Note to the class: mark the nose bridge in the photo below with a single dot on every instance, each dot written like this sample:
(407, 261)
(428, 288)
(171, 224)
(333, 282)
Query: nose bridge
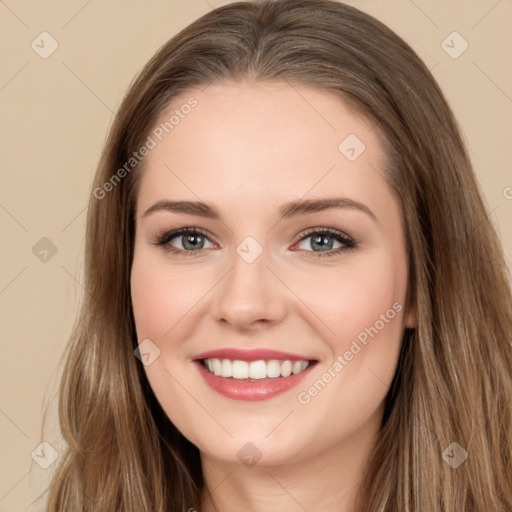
(250, 293)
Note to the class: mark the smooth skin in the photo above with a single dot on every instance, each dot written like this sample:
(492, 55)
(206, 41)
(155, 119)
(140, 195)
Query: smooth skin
(247, 149)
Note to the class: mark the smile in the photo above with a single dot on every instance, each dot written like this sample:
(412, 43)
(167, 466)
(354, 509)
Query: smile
(254, 370)
(252, 373)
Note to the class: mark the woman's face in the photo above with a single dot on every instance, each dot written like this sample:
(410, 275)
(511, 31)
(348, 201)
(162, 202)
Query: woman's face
(297, 246)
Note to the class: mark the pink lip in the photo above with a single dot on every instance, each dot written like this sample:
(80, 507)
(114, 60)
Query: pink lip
(262, 389)
(251, 355)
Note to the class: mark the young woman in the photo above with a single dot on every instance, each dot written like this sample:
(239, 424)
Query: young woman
(296, 299)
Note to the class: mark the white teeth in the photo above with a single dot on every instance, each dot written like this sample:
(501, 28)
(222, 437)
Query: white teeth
(273, 369)
(286, 369)
(227, 369)
(257, 369)
(299, 366)
(217, 366)
(238, 369)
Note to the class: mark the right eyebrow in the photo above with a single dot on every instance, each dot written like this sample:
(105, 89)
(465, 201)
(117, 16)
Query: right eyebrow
(190, 207)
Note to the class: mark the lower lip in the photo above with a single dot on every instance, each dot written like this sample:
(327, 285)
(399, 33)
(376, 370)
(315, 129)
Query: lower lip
(262, 389)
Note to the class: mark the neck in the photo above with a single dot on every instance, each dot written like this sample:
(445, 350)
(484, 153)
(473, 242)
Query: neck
(328, 481)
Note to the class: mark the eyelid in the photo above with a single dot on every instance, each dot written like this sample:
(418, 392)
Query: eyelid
(323, 229)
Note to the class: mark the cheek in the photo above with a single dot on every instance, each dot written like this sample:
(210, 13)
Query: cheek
(363, 308)
(151, 301)
(160, 297)
(353, 299)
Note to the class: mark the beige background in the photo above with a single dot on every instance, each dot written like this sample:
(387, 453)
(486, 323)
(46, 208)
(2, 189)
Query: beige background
(56, 113)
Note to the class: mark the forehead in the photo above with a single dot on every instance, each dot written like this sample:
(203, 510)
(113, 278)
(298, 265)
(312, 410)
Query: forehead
(261, 142)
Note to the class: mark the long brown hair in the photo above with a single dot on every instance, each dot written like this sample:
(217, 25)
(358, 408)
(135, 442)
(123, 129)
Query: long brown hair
(454, 377)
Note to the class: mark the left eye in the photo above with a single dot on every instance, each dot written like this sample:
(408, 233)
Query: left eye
(324, 241)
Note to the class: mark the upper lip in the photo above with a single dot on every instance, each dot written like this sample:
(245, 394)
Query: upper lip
(254, 354)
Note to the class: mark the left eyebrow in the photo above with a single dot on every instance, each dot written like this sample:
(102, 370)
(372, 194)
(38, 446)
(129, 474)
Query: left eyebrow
(302, 207)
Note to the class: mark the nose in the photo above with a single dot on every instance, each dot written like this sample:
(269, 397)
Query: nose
(250, 296)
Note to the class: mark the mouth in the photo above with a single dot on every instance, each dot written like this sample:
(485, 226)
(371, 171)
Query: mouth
(254, 370)
(260, 379)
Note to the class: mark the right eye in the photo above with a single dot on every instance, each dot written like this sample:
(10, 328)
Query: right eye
(184, 241)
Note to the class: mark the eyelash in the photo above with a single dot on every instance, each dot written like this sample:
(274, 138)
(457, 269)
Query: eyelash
(348, 242)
